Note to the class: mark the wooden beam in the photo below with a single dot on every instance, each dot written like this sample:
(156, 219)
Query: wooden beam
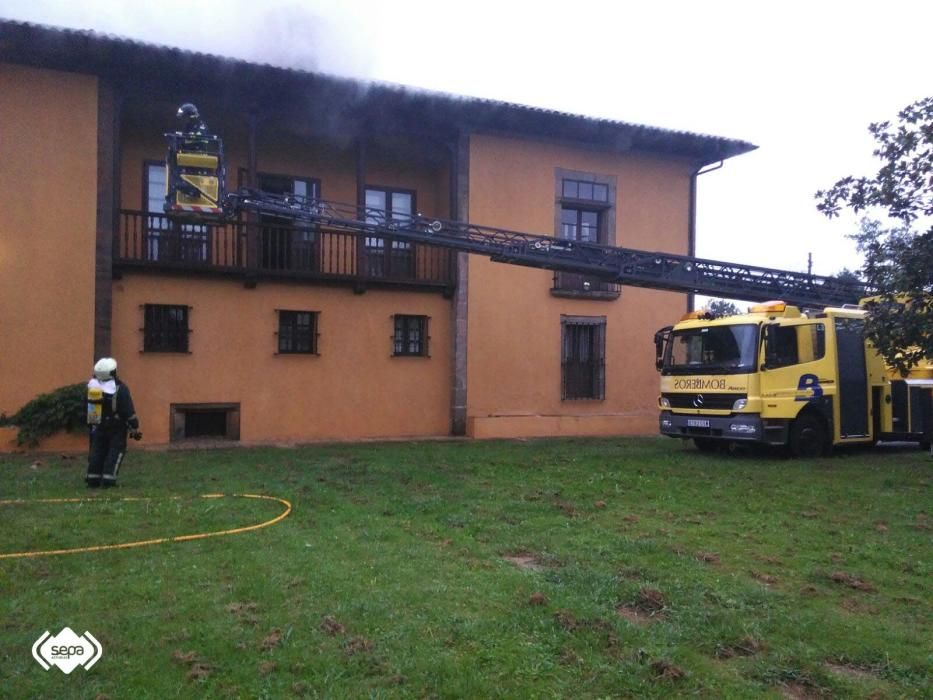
(108, 212)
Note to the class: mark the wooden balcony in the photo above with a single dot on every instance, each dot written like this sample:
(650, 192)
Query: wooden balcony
(279, 249)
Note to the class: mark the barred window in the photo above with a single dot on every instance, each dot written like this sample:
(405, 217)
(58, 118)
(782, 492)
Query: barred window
(297, 332)
(583, 357)
(165, 328)
(411, 335)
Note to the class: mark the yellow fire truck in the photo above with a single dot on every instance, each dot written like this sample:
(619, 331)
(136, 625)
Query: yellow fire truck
(780, 376)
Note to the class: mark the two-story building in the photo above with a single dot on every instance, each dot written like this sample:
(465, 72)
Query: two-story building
(267, 329)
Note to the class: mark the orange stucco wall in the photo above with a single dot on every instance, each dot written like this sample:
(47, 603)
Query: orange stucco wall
(48, 200)
(514, 342)
(354, 388)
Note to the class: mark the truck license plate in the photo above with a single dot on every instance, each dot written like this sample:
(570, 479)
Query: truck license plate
(697, 422)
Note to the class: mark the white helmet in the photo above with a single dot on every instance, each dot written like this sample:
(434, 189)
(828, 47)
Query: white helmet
(105, 369)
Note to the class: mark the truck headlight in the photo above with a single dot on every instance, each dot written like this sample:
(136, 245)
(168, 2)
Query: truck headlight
(665, 403)
(739, 404)
(742, 428)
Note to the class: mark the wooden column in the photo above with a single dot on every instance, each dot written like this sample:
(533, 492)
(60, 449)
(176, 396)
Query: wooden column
(460, 210)
(252, 220)
(108, 213)
(361, 204)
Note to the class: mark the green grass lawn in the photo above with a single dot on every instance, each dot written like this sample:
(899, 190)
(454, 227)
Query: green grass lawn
(551, 568)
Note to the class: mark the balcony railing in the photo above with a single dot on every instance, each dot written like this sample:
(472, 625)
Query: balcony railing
(571, 284)
(276, 249)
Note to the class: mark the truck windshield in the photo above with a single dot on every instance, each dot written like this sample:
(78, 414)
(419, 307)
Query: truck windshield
(713, 350)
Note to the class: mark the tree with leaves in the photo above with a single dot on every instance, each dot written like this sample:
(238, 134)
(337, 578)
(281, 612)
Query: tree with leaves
(847, 276)
(722, 307)
(898, 260)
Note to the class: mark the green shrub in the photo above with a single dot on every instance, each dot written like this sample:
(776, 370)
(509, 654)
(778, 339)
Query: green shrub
(62, 409)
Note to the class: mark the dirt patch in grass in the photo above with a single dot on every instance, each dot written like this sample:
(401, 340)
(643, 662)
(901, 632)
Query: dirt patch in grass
(271, 640)
(600, 504)
(708, 557)
(244, 612)
(357, 645)
(849, 671)
(631, 519)
(604, 627)
(767, 579)
(184, 657)
(567, 620)
(650, 600)
(647, 607)
(666, 670)
(852, 581)
(566, 507)
(198, 670)
(266, 667)
(854, 605)
(747, 646)
(524, 560)
(330, 625)
(537, 598)
(881, 526)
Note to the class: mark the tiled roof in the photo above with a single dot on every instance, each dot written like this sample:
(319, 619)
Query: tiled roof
(94, 52)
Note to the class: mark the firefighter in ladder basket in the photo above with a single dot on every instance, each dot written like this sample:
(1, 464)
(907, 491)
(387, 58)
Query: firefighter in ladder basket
(110, 414)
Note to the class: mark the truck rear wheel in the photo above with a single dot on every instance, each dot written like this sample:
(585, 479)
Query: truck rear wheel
(808, 437)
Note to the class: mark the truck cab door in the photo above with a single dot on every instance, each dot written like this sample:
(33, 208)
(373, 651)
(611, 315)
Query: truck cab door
(853, 378)
(796, 370)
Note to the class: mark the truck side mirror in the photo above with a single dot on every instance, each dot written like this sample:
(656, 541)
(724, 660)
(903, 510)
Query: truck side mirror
(660, 340)
(769, 339)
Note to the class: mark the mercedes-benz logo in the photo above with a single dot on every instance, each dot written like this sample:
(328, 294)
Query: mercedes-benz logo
(698, 401)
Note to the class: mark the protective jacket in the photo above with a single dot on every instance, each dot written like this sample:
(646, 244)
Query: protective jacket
(108, 430)
(117, 411)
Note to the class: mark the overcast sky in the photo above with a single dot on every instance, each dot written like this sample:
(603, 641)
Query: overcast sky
(802, 80)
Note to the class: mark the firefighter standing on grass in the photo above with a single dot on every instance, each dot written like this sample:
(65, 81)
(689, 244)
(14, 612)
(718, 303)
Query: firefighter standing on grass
(110, 414)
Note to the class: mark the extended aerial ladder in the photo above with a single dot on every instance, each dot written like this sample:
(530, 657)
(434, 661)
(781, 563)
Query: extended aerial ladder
(195, 180)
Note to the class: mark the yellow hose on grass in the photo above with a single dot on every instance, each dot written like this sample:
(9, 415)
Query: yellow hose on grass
(142, 543)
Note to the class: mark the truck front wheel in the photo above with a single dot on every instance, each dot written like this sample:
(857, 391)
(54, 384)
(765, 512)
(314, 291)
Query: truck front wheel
(808, 437)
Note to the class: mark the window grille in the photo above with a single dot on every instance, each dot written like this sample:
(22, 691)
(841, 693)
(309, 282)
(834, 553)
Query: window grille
(297, 332)
(165, 328)
(583, 358)
(411, 335)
